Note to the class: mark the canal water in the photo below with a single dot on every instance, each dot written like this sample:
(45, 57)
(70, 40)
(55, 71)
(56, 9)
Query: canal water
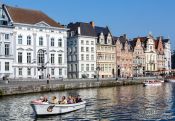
(103, 104)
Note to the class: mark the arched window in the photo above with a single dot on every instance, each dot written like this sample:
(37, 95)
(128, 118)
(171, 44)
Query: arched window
(41, 41)
(52, 43)
(28, 40)
(19, 39)
(59, 42)
(40, 56)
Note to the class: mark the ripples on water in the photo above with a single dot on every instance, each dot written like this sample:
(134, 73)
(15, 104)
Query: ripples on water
(104, 104)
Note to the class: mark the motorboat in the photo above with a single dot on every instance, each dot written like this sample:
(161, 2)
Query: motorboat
(170, 80)
(41, 108)
(152, 83)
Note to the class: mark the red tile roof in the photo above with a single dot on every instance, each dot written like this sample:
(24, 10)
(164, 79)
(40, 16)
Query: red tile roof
(27, 16)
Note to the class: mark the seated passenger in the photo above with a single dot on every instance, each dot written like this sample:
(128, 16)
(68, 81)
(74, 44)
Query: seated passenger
(38, 101)
(63, 101)
(45, 99)
(78, 99)
(69, 100)
(74, 99)
(54, 100)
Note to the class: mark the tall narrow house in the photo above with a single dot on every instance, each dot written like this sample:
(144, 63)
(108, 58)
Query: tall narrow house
(167, 52)
(148, 43)
(124, 57)
(138, 57)
(81, 46)
(160, 54)
(106, 56)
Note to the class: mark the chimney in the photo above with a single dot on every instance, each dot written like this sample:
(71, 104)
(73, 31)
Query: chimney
(92, 24)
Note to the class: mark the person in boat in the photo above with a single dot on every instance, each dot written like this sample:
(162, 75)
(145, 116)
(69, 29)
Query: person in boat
(69, 100)
(54, 100)
(78, 99)
(45, 99)
(74, 99)
(38, 101)
(63, 101)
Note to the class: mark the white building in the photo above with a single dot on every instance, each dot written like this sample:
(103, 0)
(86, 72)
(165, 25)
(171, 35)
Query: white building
(167, 52)
(39, 44)
(81, 50)
(150, 55)
(6, 55)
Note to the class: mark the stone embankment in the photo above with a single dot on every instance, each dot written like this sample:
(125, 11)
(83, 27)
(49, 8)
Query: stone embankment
(23, 87)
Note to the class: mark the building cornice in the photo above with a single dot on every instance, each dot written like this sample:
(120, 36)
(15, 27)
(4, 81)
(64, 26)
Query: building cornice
(36, 26)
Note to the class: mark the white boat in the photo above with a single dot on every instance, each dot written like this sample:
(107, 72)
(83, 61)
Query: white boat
(152, 83)
(52, 109)
(171, 80)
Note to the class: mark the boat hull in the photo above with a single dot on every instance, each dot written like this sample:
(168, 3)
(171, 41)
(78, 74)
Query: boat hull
(171, 80)
(157, 84)
(152, 83)
(53, 109)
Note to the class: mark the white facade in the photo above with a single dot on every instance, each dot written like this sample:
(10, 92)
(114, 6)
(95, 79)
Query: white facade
(81, 57)
(167, 52)
(33, 50)
(6, 48)
(36, 50)
(150, 55)
(6, 55)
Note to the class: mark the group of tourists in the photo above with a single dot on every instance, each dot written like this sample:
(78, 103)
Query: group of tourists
(64, 100)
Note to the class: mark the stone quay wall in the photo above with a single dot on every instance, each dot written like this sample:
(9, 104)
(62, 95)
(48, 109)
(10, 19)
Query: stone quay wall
(20, 87)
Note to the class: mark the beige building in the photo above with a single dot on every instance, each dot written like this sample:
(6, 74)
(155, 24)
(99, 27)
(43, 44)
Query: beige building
(106, 57)
(124, 58)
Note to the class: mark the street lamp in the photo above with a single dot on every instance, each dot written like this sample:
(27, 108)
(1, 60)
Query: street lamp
(98, 70)
(98, 65)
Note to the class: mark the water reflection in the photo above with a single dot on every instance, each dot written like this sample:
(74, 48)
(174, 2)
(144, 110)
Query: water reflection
(105, 104)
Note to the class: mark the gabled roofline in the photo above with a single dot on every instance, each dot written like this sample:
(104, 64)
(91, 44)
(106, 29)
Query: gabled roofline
(43, 23)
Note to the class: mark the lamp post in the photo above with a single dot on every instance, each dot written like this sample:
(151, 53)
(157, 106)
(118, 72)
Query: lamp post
(98, 69)
(98, 65)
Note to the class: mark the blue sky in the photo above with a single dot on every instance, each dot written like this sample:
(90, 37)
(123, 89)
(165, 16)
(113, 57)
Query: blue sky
(132, 17)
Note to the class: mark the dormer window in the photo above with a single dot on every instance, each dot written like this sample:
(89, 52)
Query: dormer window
(72, 33)
(1, 13)
(109, 41)
(101, 38)
(102, 41)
